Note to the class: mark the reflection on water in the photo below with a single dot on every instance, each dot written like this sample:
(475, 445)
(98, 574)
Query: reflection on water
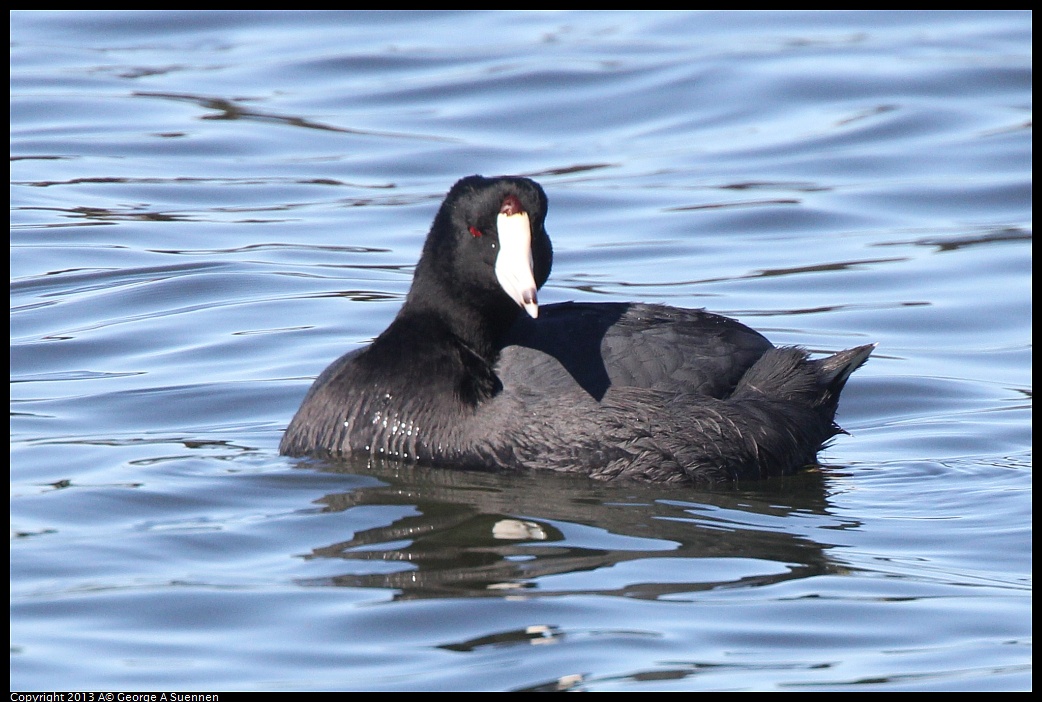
(480, 535)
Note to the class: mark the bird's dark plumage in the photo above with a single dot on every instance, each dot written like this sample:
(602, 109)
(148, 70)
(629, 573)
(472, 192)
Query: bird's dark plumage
(464, 378)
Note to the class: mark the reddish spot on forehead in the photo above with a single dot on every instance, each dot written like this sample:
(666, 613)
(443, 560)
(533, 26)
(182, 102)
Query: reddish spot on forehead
(511, 206)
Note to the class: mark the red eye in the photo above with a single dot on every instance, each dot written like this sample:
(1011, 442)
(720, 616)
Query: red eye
(475, 232)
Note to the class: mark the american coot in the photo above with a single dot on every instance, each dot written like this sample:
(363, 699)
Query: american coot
(472, 373)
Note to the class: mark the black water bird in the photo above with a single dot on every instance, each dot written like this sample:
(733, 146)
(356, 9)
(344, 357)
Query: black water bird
(474, 374)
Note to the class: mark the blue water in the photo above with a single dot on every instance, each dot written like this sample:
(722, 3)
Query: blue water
(208, 208)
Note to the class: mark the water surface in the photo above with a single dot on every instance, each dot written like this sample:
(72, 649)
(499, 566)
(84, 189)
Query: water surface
(208, 208)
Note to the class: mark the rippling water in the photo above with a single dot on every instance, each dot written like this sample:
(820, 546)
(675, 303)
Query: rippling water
(207, 208)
